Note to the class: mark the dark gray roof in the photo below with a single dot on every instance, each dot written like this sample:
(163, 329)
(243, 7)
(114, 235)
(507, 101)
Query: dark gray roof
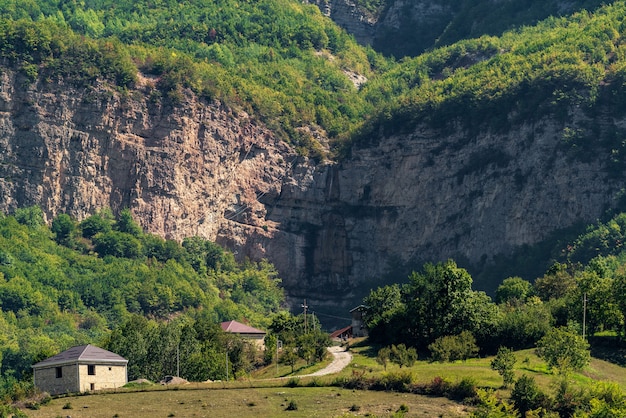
(82, 354)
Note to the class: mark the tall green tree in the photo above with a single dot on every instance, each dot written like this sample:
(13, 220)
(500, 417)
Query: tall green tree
(564, 350)
(503, 363)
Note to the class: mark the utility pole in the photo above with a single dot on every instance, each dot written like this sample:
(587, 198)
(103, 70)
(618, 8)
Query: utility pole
(279, 344)
(584, 312)
(306, 328)
(178, 360)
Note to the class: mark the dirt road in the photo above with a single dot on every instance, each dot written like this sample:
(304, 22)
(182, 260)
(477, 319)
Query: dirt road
(341, 359)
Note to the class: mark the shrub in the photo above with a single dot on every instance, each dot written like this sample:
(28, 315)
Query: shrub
(438, 387)
(464, 390)
(397, 381)
(293, 382)
(402, 356)
(526, 395)
(292, 406)
(454, 347)
(503, 363)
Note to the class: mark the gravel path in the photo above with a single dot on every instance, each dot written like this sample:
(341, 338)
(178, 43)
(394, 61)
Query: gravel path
(341, 359)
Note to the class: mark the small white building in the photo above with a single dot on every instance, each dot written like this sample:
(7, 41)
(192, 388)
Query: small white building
(80, 369)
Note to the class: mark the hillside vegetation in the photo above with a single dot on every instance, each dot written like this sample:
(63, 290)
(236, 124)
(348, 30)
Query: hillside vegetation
(446, 22)
(289, 65)
(76, 284)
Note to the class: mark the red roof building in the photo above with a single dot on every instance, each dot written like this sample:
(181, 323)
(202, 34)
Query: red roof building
(245, 331)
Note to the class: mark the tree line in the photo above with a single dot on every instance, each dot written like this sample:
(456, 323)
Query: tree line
(104, 281)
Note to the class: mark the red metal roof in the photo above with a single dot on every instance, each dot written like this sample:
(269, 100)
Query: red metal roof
(239, 328)
(83, 353)
(341, 331)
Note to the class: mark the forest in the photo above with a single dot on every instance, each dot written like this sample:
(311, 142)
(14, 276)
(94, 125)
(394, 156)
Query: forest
(292, 72)
(104, 281)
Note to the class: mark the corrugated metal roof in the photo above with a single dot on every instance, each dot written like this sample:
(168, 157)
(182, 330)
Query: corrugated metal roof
(83, 353)
(239, 328)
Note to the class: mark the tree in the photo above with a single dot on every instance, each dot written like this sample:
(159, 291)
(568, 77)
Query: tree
(564, 350)
(383, 356)
(526, 395)
(126, 223)
(454, 347)
(289, 357)
(503, 363)
(385, 309)
(31, 216)
(94, 224)
(403, 356)
(63, 227)
(556, 283)
(437, 302)
(513, 290)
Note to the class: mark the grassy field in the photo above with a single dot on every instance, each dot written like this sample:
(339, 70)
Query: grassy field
(245, 402)
(265, 395)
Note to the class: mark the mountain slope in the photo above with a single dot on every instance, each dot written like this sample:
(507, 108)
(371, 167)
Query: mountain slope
(469, 151)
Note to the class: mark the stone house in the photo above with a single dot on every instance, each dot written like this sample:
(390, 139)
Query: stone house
(249, 333)
(80, 369)
(358, 325)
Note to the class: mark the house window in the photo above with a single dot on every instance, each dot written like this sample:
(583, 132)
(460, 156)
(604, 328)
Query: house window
(91, 369)
(59, 372)
(92, 386)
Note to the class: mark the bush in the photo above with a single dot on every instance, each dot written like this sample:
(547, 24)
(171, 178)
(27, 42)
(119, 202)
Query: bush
(292, 406)
(465, 390)
(438, 387)
(526, 395)
(397, 381)
(454, 347)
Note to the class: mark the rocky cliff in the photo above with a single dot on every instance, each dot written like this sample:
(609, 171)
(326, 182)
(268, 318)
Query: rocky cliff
(331, 229)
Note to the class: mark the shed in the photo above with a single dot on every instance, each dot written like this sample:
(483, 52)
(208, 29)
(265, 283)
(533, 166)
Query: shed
(342, 334)
(80, 369)
(256, 336)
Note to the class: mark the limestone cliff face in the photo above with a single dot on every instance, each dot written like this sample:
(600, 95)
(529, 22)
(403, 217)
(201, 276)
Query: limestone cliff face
(196, 169)
(427, 196)
(203, 169)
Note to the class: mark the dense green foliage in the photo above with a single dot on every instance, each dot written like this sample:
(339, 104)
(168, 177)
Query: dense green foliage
(286, 63)
(278, 59)
(497, 82)
(438, 304)
(109, 275)
(451, 21)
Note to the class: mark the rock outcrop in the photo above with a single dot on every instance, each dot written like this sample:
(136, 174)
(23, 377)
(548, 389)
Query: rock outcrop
(332, 230)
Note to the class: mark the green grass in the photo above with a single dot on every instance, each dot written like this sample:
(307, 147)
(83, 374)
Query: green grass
(258, 402)
(265, 396)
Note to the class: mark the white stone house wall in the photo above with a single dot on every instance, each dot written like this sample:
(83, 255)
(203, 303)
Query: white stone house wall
(76, 378)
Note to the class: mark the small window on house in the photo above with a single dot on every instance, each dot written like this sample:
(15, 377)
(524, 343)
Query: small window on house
(109, 369)
(91, 369)
(59, 372)
(92, 386)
